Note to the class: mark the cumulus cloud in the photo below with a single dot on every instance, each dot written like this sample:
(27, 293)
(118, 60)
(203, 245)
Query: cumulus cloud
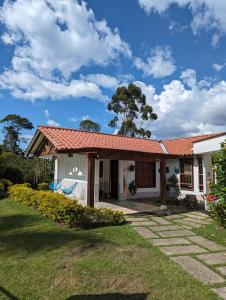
(52, 40)
(50, 121)
(159, 64)
(207, 14)
(218, 67)
(188, 106)
(102, 80)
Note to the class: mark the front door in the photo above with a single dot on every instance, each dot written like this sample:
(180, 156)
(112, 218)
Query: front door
(114, 179)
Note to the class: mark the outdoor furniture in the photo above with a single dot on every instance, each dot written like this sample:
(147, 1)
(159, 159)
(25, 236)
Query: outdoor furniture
(53, 188)
(69, 190)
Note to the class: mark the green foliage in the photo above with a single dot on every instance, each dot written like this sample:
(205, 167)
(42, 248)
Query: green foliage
(89, 125)
(217, 208)
(12, 130)
(43, 186)
(13, 174)
(63, 210)
(132, 112)
(2, 190)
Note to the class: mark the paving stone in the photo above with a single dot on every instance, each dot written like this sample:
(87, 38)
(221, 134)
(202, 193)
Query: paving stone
(213, 258)
(143, 223)
(197, 215)
(161, 221)
(220, 292)
(172, 217)
(137, 219)
(165, 227)
(210, 245)
(177, 233)
(198, 270)
(170, 241)
(202, 222)
(188, 223)
(190, 249)
(222, 270)
(145, 232)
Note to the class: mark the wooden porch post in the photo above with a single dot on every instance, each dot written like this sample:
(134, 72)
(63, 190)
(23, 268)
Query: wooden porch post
(163, 183)
(91, 179)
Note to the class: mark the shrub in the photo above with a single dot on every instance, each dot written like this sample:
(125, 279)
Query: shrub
(13, 174)
(43, 186)
(6, 184)
(2, 190)
(63, 210)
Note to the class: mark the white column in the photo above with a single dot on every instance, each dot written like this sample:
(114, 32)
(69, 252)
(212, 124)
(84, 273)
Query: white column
(97, 181)
(56, 171)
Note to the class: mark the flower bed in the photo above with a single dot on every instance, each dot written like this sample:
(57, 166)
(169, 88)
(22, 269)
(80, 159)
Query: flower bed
(63, 210)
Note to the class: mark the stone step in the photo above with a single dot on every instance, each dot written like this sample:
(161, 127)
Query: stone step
(145, 232)
(198, 270)
(190, 249)
(220, 292)
(177, 233)
(213, 258)
(169, 242)
(210, 245)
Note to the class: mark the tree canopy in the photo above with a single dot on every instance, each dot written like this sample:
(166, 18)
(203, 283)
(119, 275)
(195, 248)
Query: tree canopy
(89, 125)
(132, 113)
(12, 130)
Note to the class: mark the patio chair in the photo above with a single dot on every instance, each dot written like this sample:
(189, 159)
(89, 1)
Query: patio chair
(52, 186)
(69, 190)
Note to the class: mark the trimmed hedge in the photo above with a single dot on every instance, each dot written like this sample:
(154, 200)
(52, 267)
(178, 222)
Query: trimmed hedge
(63, 210)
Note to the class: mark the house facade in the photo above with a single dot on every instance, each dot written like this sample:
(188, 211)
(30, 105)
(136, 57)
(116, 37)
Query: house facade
(103, 166)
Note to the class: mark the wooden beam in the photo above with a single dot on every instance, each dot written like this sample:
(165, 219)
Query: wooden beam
(91, 179)
(163, 182)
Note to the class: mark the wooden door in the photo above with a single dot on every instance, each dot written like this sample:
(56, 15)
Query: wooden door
(114, 179)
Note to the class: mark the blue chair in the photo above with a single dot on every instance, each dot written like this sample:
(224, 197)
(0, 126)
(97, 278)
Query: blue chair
(53, 188)
(69, 190)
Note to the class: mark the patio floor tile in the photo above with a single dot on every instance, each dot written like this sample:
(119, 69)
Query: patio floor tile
(161, 221)
(193, 220)
(188, 223)
(143, 223)
(198, 270)
(165, 227)
(172, 217)
(188, 249)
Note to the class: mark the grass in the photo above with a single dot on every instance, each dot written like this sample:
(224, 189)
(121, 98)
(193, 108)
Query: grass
(212, 232)
(43, 260)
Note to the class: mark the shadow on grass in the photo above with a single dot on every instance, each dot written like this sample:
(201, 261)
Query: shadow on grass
(110, 296)
(18, 235)
(6, 293)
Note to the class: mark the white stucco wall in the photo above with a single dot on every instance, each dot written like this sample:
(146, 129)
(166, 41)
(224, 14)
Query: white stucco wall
(210, 145)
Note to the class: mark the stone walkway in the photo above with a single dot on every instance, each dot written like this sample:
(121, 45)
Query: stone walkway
(203, 259)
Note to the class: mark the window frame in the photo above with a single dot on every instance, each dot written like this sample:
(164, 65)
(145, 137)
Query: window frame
(183, 185)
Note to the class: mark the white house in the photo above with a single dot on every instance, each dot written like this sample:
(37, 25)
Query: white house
(102, 166)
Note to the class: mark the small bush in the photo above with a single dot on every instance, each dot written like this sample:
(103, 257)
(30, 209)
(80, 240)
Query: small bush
(44, 186)
(13, 174)
(2, 190)
(63, 210)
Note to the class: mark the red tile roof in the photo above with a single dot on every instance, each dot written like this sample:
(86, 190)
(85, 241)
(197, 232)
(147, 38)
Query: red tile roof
(183, 146)
(72, 139)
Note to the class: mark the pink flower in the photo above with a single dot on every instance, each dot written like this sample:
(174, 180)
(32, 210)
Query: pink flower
(211, 198)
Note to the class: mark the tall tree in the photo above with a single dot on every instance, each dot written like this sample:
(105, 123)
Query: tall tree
(133, 114)
(12, 130)
(89, 125)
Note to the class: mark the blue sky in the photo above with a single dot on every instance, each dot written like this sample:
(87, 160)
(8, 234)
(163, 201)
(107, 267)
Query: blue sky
(60, 61)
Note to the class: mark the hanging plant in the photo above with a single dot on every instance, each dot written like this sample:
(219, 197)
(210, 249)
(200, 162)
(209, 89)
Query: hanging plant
(131, 168)
(132, 188)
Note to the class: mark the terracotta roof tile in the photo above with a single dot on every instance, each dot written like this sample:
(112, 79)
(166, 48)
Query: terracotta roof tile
(72, 139)
(183, 146)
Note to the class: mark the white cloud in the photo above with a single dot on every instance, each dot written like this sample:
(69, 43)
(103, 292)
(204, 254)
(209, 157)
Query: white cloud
(73, 119)
(188, 107)
(102, 80)
(159, 64)
(207, 14)
(218, 67)
(86, 117)
(52, 40)
(50, 122)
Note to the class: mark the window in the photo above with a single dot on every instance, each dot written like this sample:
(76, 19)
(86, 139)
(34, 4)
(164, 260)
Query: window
(145, 174)
(101, 171)
(186, 174)
(200, 174)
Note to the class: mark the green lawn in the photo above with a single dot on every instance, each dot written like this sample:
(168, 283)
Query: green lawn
(212, 232)
(43, 260)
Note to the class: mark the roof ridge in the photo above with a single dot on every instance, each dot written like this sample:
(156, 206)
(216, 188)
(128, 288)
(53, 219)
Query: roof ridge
(195, 136)
(101, 133)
